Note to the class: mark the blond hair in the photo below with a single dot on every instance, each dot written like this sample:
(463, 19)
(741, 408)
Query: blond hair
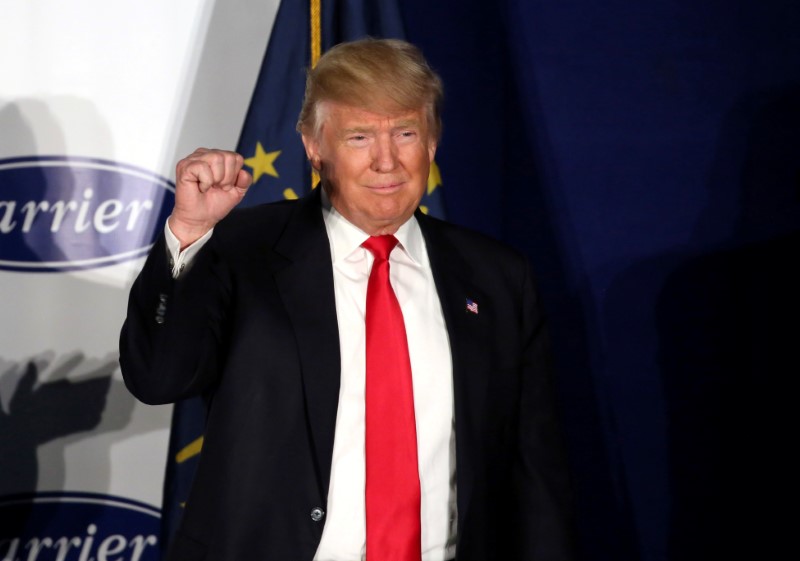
(380, 75)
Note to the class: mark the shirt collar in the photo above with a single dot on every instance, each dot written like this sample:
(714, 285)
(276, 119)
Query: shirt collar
(346, 237)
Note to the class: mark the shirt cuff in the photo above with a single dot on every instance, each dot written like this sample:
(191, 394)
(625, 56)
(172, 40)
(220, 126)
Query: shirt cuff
(180, 260)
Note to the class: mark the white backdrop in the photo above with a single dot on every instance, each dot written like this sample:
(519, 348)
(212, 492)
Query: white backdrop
(132, 82)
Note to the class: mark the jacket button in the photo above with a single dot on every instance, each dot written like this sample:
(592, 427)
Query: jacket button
(317, 514)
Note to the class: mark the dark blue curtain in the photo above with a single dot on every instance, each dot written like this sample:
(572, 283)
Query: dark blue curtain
(647, 157)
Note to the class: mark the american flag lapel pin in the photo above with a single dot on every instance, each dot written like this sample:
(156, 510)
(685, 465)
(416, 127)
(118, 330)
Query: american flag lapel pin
(472, 306)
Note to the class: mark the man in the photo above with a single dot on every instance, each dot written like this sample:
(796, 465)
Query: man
(344, 337)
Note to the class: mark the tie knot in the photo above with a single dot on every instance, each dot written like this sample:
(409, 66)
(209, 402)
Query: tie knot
(380, 246)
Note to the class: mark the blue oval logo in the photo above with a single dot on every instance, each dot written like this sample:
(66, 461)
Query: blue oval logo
(59, 213)
(77, 527)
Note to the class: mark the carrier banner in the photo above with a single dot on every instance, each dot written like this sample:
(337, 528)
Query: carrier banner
(80, 527)
(116, 215)
(98, 100)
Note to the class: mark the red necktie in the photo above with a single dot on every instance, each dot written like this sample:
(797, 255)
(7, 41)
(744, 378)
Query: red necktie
(392, 476)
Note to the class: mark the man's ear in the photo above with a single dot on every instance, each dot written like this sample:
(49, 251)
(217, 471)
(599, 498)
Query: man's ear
(312, 151)
(431, 150)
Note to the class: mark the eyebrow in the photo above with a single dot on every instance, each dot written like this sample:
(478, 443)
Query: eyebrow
(357, 130)
(404, 124)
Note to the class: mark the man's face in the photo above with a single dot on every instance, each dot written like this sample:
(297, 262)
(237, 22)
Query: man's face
(373, 166)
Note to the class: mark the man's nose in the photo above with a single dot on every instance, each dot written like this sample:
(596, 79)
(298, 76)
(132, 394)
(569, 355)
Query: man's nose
(384, 155)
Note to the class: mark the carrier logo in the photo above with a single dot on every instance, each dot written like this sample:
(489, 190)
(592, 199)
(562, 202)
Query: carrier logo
(60, 213)
(77, 527)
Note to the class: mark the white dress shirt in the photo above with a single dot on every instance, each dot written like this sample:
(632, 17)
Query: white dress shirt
(343, 538)
(344, 534)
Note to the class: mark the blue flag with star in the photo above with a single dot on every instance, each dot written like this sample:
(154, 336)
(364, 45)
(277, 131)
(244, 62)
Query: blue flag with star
(274, 155)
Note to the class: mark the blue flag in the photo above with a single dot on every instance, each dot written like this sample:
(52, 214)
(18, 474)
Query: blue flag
(275, 156)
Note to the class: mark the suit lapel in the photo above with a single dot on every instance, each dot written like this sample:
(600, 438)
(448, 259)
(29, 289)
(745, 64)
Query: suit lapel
(467, 332)
(306, 288)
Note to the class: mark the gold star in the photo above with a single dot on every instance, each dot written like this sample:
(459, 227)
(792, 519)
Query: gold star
(189, 451)
(289, 194)
(262, 162)
(434, 178)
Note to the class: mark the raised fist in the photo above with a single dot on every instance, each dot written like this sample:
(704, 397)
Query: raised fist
(209, 183)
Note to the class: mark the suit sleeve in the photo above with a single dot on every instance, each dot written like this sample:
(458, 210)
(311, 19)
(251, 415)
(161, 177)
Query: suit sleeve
(173, 338)
(541, 475)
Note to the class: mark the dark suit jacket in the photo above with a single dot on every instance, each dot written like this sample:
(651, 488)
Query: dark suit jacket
(253, 327)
